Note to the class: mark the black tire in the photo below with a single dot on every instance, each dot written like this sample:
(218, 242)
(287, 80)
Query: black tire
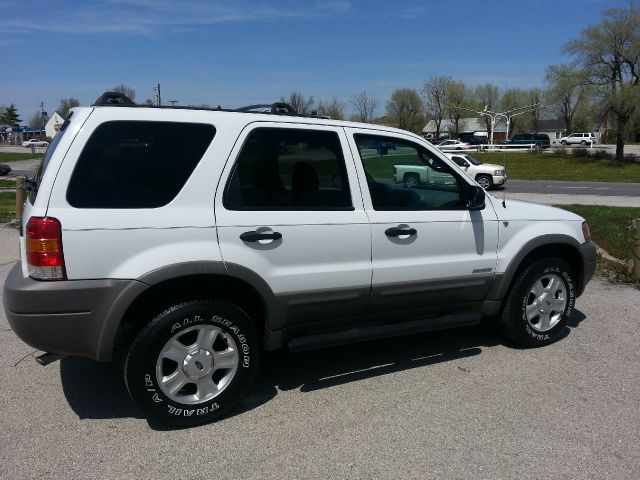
(411, 180)
(583, 143)
(513, 322)
(231, 326)
(485, 181)
(563, 143)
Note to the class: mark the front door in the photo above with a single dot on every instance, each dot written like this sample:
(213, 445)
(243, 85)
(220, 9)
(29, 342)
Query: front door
(429, 251)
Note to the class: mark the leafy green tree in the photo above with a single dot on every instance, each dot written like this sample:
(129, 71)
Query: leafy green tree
(406, 110)
(65, 105)
(609, 54)
(459, 99)
(566, 92)
(10, 116)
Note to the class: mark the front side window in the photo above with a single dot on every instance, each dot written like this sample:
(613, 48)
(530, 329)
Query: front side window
(289, 169)
(407, 176)
(136, 164)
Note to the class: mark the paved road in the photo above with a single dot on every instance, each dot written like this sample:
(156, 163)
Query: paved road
(450, 405)
(574, 188)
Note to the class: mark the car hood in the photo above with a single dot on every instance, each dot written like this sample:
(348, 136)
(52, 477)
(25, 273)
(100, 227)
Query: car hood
(519, 210)
(490, 166)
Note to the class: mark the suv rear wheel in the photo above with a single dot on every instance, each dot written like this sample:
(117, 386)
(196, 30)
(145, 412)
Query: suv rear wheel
(193, 362)
(540, 303)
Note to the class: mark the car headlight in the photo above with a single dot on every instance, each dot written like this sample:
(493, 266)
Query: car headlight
(498, 173)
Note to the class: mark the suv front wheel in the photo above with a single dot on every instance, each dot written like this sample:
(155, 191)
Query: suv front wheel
(193, 362)
(540, 303)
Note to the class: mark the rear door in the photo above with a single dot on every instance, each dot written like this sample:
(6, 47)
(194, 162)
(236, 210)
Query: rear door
(289, 209)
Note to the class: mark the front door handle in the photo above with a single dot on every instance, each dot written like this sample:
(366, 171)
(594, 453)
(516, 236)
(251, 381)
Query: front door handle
(397, 232)
(254, 236)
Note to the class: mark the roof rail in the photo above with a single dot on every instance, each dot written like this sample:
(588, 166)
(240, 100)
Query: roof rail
(113, 99)
(277, 107)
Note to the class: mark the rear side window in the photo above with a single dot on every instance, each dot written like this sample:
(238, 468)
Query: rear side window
(132, 164)
(288, 169)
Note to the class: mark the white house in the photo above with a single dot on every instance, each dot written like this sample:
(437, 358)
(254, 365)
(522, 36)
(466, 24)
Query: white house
(53, 125)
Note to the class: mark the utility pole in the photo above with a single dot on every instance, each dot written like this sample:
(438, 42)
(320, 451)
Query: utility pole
(43, 115)
(173, 102)
(156, 90)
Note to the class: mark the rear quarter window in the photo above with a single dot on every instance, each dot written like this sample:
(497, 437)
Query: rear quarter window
(134, 164)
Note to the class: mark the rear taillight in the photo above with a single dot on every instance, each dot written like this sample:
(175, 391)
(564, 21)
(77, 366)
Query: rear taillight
(44, 249)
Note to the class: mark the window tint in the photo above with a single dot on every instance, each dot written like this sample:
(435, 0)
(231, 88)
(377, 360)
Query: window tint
(130, 164)
(287, 169)
(406, 176)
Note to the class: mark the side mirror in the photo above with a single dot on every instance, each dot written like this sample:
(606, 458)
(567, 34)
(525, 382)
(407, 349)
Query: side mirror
(475, 198)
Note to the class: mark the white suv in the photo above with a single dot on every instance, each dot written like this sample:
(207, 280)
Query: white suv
(192, 240)
(579, 139)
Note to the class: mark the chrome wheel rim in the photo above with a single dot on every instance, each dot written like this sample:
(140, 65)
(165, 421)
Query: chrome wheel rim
(411, 181)
(546, 302)
(197, 364)
(484, 182)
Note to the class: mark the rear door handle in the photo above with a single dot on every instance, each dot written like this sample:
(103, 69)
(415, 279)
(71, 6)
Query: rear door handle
(397, 232)
(254, 236)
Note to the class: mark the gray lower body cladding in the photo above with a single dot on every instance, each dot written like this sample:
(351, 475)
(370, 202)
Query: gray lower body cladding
(73, 317)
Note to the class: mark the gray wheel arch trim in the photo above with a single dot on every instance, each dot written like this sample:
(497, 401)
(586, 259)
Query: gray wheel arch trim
(502, 281)
(219, 268)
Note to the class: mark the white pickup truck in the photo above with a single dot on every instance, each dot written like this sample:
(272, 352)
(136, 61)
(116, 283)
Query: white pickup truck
(485, 174)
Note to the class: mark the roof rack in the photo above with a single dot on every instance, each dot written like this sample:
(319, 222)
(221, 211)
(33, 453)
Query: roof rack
(113, 99)
(116, 99)
(277, 107)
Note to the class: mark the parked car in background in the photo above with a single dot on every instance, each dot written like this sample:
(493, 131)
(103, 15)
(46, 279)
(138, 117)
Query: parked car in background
(487, 175)
(579, 139)
(540, 140)
(34, 142)
(452, 145)
(4, 169)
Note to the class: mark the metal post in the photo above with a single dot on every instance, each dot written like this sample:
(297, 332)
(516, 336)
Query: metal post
(21, 196)
(636, 247)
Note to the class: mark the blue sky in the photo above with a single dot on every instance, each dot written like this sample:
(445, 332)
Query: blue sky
(241, 52)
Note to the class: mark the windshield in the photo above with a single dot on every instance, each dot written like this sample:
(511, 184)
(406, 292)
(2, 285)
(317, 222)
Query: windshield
(43, 165)
(474, 161)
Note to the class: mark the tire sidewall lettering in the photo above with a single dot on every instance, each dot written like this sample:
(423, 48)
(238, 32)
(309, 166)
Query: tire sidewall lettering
(570, 287)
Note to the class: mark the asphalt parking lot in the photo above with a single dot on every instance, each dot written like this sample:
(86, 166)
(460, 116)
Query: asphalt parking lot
(453, 404)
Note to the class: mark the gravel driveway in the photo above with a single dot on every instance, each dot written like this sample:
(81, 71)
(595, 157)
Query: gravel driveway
(456, 404)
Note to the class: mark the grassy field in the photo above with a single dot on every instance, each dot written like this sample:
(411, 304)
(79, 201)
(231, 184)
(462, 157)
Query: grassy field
(7, 184)
(7, 206)
(534, 166)
(609, 227)
(6, 157)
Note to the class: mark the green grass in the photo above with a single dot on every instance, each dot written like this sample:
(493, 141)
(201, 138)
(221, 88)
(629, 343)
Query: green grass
(609, 227)
(6, 157)
(7, 206)
(548, 166)
(7, 184)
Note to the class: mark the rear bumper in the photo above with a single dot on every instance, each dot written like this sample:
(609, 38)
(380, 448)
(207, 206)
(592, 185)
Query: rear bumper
(73, 317)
